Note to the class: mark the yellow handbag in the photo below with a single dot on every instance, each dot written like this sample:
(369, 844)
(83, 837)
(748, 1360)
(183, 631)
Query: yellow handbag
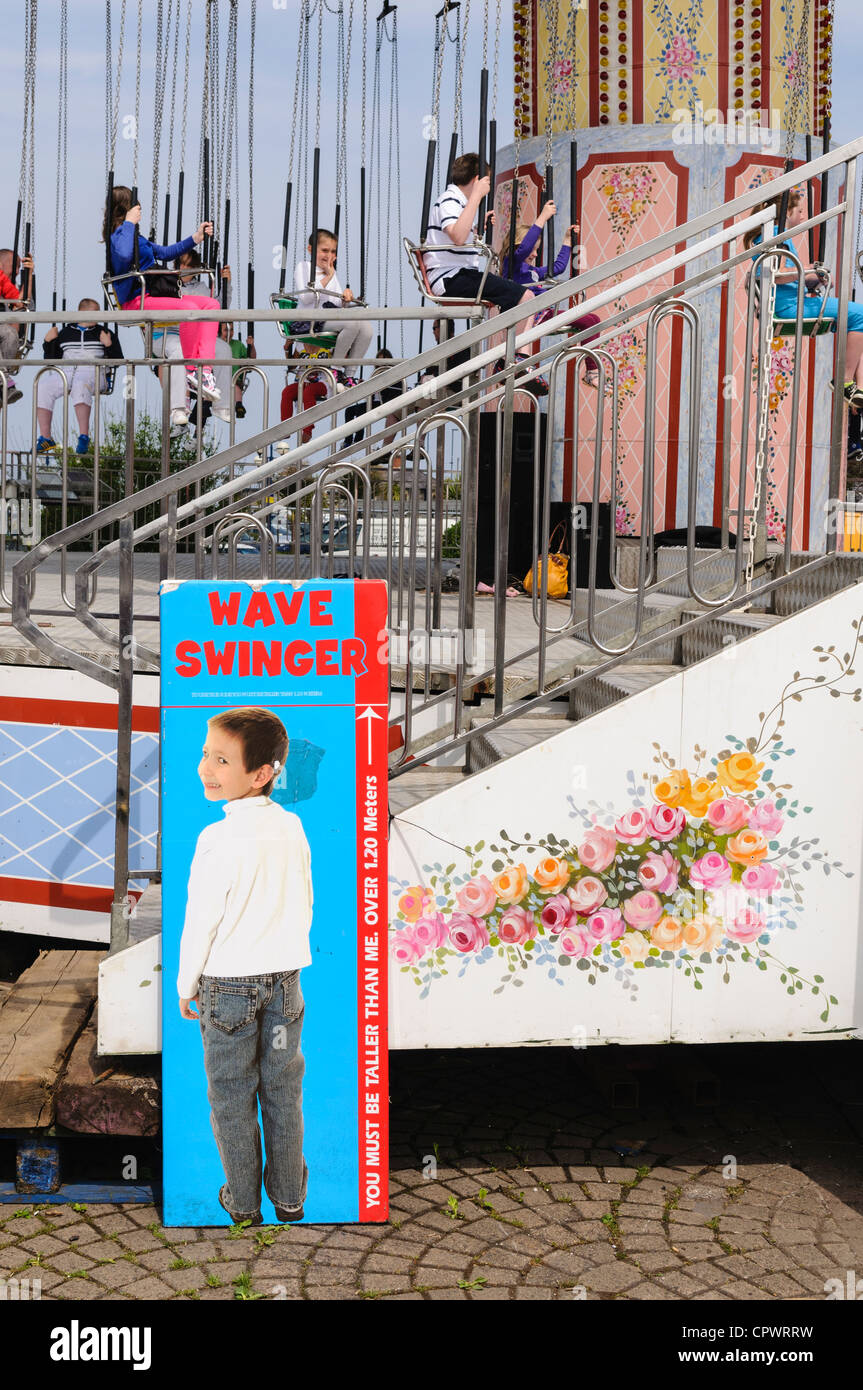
(556, 567)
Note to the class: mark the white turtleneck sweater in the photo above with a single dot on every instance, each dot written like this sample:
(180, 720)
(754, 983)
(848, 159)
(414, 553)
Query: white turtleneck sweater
(249, 906)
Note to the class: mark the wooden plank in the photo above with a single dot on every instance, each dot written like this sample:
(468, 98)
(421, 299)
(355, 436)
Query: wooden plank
(39, 1021)
(95, 1097)
(82, 1192)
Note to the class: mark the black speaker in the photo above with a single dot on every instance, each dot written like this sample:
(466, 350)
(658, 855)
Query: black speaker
(520, 555)
(584, 521)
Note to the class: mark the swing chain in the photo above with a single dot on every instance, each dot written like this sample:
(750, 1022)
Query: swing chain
(765, 356)
(485, 33)
(365, 66)
(496, 63)
(158, 105)
(460, 65)
(186, 84)
(320, 57)
(252, 36)
(799, 85)
(551, 22)
(138, 57)
(115, 111)
(173, 86)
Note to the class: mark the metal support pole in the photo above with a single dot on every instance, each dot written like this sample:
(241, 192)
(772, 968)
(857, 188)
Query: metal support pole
(549, 226)
(481, 142)
(822, 230)
(573, 197)
(835, 499)
(313, 241)
(180, 189)
(431, 150)
(285, 229)
(810, 202)
(503, 488)
(119, 906)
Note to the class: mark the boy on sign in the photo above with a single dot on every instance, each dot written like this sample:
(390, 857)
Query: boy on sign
(245, 940)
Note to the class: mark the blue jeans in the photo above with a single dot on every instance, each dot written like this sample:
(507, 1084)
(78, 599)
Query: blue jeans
(251, 1026)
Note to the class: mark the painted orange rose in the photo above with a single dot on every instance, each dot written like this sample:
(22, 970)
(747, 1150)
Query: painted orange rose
(746, 847)
(671, 790)
(739, 773)
(411, 902)
(667, 934)
(634, 945)
(511, 885)
(699, 796)
(702, 932)
(551, 875)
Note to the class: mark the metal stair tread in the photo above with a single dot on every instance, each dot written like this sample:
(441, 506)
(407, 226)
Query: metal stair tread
(410, 790)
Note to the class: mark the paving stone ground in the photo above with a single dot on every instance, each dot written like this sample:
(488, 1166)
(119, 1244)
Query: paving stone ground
(512, 1177)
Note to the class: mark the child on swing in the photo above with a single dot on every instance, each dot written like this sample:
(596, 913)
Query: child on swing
(785, 306)
(527, 272)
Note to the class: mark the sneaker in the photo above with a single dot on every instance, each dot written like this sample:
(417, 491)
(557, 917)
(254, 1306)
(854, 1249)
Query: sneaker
(591, 377)
(179, 419)
(289, 1213)
(240, 410)
(83, 444)
(45, 445)
(221, 412)
(256, 1220)
(854, 397)
(209, 390)
(13, 395)
(537, 387)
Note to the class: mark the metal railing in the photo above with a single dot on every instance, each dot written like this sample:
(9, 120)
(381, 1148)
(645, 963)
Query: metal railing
(316, 503)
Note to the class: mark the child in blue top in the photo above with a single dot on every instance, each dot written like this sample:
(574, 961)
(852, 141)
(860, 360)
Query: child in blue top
(198, 339)
(786, 297)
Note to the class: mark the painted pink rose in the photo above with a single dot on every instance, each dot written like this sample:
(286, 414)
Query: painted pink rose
(665, 822)
(760, 878)
(429, 932)
(633, 827)
(467, 933)
(747, 926)
(598, 848)
(575, 943)
(404, 948)
(606, 924)
(587, 894)
(643, 910)
(767, 819)
(516, 926)
(477, 898)
(728, 814)
(557, 913)
(659, 872)
(710, 871)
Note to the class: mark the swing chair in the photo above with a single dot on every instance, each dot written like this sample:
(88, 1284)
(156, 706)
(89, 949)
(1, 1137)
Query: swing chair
(308, 340)
(486, 149)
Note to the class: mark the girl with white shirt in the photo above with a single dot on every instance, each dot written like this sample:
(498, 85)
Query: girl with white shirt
(355, 335)
(245, 940)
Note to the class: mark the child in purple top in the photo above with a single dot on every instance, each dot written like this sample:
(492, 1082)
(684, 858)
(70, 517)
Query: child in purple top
(527, 272)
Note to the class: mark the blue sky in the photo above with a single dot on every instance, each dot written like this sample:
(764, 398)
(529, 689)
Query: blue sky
(275, 67)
